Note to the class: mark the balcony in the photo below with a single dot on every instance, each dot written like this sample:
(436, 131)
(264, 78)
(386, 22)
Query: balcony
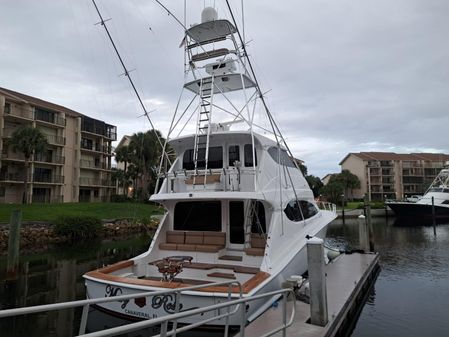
(60, 160)
(49, 117)
(90, 164)
(99, 128)
(48, 179)
(12, 156)
(19, 113)
(84, 181)
(55, 140)
(12, 177)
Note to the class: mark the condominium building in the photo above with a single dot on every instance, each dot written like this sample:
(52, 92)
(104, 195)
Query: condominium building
(388, 175)
(76, 165)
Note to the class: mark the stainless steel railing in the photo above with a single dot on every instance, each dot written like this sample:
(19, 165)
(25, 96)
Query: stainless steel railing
(163, 321)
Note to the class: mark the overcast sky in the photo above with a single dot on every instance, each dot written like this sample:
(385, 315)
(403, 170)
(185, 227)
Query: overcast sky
(343, 76)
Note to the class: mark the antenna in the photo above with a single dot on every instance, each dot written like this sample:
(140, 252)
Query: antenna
(128, 75)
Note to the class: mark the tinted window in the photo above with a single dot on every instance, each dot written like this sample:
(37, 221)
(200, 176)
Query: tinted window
(215, 158)
(197, 216)
(234, 154)
(295, 210)
(284, 157)
(236, 222)
(446, 202)
(248, 151)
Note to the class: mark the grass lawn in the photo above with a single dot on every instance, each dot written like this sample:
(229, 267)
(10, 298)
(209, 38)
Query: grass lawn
(49, 212)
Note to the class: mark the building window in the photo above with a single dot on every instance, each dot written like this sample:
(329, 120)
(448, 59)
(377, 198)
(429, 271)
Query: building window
(86, 143)
(7, 108)
(44, 115)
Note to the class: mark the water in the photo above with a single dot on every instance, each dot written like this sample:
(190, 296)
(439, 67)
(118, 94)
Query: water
(410, 295)
(408, 299)
(56, 276)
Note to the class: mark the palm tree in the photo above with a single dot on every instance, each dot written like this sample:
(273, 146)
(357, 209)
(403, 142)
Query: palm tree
(123, 154)
(28, 141)
(146, 155)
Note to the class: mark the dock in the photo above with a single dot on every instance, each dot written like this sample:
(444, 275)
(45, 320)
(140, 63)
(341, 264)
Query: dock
(348, 278)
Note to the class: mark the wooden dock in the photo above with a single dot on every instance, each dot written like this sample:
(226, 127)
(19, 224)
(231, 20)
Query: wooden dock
(347, 281)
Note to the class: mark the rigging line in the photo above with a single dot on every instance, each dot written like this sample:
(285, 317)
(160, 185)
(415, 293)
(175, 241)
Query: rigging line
(127, 74)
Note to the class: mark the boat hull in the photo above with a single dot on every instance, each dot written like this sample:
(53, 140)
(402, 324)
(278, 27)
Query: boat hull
(412, 210)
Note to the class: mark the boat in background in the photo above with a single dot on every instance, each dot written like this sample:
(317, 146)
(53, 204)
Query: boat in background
(434, 202)
(237, 205)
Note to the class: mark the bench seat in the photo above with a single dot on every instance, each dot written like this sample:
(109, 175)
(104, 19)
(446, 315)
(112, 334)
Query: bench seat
(200, 241)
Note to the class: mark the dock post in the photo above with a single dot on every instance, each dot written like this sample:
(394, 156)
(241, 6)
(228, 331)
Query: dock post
(364, 242)
(317, 282)
(370, 226)
(433, 217)
(13, 243)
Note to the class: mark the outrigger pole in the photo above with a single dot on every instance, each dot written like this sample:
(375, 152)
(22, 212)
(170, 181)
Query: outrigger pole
(127, 74)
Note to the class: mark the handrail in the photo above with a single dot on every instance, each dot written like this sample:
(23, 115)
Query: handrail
(86, 303)
(163, 321)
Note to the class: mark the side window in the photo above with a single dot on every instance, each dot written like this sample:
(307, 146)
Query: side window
(283, 157)
(296, 210)
(233, 154)
(248, 152)
(292, 211)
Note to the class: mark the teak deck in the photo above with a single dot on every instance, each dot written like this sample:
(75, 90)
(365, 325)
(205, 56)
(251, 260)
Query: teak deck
(104, 274)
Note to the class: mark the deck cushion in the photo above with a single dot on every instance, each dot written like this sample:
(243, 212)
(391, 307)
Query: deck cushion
(215, 238)
(175, 237)
(209, 248)
(254, 251)
(186, 247)
(168, 246)
(194, 238)
(258, 240)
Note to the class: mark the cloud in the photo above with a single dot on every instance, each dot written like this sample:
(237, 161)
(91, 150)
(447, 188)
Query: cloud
(341, 76)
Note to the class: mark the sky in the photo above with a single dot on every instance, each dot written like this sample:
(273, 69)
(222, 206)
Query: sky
(340, 76)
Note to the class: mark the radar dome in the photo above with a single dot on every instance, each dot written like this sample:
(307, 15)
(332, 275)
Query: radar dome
(208, 14)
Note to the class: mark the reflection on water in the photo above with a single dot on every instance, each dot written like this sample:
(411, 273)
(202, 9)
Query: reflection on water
(411, 293)
(56, 276)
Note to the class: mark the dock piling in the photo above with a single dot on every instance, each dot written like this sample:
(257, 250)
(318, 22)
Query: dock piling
(363, 234)
(317, 281)
(433, 217)
(13, 243)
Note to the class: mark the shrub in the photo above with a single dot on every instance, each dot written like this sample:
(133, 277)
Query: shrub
(120, 198)
(78, 227)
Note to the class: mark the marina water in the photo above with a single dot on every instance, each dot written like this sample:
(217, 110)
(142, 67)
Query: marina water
(409, 297)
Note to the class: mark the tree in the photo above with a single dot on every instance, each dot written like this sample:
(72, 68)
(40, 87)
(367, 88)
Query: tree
(28, 141)
(124, 154)
(145, 158)
(315, 184)
(333, 190)
(348, 180)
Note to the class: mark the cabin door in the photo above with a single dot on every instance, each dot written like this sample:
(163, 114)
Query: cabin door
(236, 225)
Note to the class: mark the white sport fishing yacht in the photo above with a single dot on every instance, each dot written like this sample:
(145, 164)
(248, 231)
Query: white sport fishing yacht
(437, 194)
(237, 206)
